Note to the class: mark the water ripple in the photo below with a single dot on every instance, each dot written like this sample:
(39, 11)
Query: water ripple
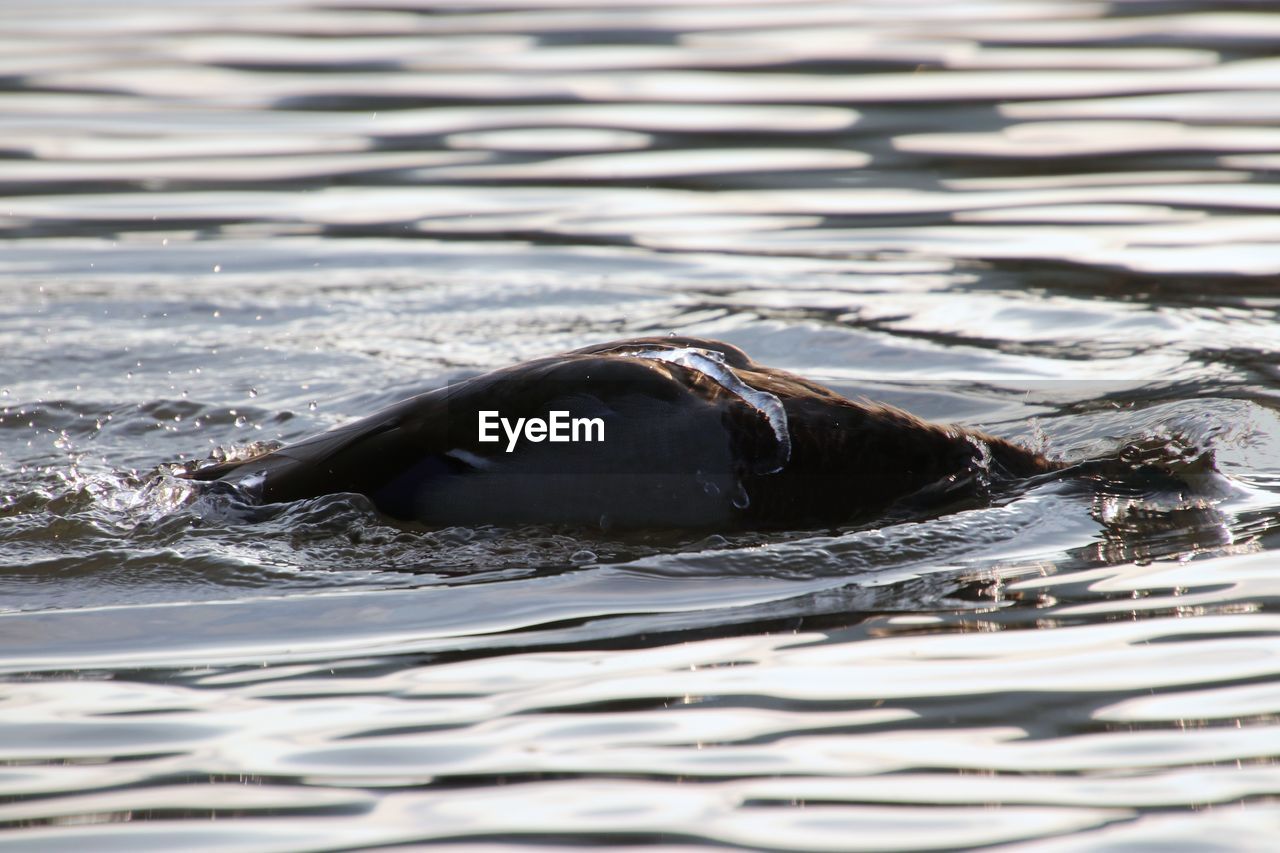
(235, 224)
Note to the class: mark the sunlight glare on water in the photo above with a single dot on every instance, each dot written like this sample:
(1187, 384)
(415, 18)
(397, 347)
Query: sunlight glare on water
(229, 225)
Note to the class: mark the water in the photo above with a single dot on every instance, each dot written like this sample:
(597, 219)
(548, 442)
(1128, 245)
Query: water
(234, 223)
(710, 363)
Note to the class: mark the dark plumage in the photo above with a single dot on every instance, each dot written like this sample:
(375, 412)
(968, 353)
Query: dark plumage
(681, 449)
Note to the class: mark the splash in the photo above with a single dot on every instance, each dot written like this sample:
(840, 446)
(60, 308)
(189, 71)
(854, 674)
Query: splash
(982, 465)
(712, 365)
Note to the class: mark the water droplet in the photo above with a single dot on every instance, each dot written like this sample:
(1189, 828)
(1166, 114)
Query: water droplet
(217, 267)
(740, 498)
(711, 488)
(312, 405)
(253, 392)
(241, 421)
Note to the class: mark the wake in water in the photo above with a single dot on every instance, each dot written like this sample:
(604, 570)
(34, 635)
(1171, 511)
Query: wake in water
(1132, 498)
(1124, 484)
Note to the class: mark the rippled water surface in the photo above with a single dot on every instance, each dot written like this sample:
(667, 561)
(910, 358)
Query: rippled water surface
(233, 222)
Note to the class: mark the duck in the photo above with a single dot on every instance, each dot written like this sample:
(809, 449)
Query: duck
(647, 432)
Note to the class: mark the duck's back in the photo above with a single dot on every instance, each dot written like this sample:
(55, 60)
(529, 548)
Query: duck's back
(658, 432)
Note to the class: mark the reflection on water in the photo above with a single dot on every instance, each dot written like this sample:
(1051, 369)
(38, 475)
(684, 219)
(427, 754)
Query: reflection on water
(240, 223)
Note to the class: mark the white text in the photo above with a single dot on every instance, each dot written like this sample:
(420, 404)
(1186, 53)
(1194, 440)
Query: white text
(558, 426)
